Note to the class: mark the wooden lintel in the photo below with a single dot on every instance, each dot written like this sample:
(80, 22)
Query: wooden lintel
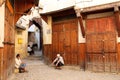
(117, 20)
(81, 26)
(100, 7)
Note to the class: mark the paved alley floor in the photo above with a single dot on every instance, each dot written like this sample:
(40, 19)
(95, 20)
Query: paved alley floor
(40, 71)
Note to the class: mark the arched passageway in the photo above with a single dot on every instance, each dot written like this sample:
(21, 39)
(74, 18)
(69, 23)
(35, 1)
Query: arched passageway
(23, 24)
(39, 34)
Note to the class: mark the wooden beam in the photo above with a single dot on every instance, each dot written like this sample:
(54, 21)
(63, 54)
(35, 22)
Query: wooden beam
(100, 7)
(80, 19)
(117, 19)
(10, 7)
(81, 26)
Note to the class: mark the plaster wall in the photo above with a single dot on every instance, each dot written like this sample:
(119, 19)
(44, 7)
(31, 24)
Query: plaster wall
(47, 31)
(55, 5)
(21, 41)
(2, 21)
(89, 3)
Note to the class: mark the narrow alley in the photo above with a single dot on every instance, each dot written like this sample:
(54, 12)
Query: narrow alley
(81, 36)
(38, 70)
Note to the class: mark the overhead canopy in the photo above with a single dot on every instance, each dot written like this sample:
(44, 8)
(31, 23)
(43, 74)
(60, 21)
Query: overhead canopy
(34, 16)
(22, 7)
(22, 22)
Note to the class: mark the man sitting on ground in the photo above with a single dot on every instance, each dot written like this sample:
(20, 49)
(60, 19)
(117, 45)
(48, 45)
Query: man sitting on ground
(19, 64)
(29, 50)
(58, 62)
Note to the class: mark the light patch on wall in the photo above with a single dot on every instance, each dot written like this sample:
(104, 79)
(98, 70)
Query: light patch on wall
(2, 19)
(118, 39)
(20, 40)
(80, 37)
(47, 31)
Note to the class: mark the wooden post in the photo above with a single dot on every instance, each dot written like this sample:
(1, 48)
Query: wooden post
(79, 17)
(117, 19)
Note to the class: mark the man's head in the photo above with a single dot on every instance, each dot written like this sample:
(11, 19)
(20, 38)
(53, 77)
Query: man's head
(18, 55)
(58, 55)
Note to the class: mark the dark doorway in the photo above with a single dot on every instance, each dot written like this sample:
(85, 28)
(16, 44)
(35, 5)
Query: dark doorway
(35, 37)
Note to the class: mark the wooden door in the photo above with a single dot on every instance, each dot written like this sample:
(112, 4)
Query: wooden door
(7, 54)
(101, 43)
(65, 40)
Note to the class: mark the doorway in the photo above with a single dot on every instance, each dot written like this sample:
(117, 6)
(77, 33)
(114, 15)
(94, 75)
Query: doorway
(35, 37)
(65, 40)
(101, 45)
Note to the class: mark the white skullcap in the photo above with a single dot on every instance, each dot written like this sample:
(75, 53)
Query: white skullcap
(58, 55)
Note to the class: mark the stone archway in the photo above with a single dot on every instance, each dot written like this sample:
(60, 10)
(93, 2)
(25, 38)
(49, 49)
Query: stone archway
(38, 23)
(22, 25)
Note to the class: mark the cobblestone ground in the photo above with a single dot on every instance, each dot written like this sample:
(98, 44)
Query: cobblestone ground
(40, 71)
